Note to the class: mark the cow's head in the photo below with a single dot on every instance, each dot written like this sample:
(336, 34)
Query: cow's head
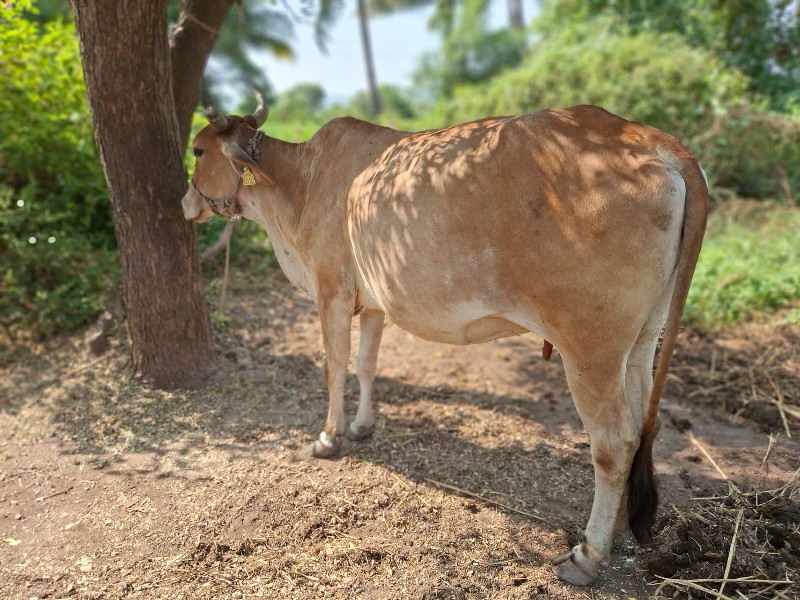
(227, 152)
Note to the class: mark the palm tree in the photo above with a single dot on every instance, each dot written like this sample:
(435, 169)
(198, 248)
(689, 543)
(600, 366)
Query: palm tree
(516, 18)
(369, 63)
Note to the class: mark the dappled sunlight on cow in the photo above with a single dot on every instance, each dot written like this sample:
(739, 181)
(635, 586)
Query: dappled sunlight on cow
(575, 224)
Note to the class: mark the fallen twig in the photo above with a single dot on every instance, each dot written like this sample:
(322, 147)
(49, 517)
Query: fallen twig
(695, 584)
(487, 500)
(731, 552)
(714, 388)
(702, 449)
(54, 494)
(752, 383)
(778, 402)
(773, 438)
(692, 583)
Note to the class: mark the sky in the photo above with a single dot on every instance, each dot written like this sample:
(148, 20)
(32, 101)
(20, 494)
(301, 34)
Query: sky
(398, 42)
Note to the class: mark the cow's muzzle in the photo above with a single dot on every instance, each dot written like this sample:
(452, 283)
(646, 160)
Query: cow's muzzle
(195, 209)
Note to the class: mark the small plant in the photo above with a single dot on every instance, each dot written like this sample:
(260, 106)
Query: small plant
(749, 265)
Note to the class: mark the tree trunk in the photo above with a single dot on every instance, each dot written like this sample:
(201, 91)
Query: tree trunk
(126, 63)
(369, 63)
(516, 20)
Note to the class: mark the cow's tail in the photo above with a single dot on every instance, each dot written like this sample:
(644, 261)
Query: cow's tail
(642, 490)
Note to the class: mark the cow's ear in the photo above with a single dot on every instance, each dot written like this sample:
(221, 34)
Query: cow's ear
(241, 160)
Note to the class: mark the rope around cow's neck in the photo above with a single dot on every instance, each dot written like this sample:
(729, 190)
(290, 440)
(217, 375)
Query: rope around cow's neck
(253, 149)
(228, 236)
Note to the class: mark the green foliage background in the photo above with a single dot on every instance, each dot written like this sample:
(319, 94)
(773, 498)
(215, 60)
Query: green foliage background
(56, 234)
(658, 79)
(759, 38)
(750, 264)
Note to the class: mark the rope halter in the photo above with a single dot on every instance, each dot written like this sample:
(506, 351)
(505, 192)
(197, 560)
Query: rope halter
(227, 205)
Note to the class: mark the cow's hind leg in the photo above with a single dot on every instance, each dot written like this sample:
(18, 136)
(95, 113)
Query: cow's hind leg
(638, 385)
(598, 390)
(371, 331)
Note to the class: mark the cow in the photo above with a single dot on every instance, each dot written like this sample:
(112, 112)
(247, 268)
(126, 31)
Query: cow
(574, 224)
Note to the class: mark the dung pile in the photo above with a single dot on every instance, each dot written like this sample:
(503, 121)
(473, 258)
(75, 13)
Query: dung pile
(743, 545)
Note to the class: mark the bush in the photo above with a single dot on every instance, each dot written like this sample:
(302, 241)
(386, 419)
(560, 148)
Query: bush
(760, 38)
(650, 77)
(301, 103)
(754, 152)
(53, 279)
(749, 265)
(397, 108)
(657, 79)
(56, 234)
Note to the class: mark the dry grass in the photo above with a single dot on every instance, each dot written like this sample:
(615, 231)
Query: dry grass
(478, 474)
(752, 370)
(761, 530)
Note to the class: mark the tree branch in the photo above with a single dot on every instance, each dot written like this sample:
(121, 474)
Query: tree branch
(217, 246)
(191, 43)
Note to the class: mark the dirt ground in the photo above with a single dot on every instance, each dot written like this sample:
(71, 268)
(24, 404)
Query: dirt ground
(478, 474)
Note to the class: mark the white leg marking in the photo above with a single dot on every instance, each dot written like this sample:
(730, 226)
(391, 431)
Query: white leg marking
(600, 399)
(366, 366)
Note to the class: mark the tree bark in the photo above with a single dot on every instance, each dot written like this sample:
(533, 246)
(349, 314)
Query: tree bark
(126, 62)
(369, 63)
(191, 43)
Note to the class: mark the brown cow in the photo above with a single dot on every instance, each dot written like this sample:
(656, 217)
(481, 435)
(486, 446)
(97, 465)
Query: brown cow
(575, 224)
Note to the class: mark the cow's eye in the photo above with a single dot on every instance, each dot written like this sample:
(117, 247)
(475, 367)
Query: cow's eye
(198, 152)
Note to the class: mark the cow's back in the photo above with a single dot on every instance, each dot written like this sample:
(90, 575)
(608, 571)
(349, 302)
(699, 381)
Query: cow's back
(488, 218)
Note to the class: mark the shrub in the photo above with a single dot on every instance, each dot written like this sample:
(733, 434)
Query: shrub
(395, 105)
(754, 152)
(299, 104)
(52, 278)
(650, 77)
(760, 38)
(657, 79)
(56, 234)
(749, 265)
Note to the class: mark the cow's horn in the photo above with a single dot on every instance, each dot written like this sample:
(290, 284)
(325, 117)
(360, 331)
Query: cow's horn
(218, 122)
(261, 113)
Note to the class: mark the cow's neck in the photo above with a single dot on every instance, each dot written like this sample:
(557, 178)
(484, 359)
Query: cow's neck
(280, 208)
(282, 205)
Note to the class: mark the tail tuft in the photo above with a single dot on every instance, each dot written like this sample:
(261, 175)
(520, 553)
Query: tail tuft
(643, 492)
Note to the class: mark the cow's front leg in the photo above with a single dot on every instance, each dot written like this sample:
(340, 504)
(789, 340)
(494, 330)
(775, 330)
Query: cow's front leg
(335, 317)
(366, 365)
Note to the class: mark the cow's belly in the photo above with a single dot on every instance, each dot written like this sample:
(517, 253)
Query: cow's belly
(439, 314)
(476, 331)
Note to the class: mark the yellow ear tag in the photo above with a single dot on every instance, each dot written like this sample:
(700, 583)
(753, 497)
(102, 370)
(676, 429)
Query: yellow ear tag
(247, 177)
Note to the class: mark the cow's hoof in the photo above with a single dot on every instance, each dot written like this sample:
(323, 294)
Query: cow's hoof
(324, 447)
(357, 433)
(568, 570)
